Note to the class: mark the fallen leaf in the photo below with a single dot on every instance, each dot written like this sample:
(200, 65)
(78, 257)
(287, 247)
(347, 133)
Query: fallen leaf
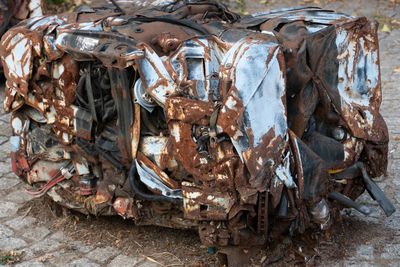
(328, 235)
(395, 21)
(397, 69)
(386, 28)
(45, 258)
(42, 259)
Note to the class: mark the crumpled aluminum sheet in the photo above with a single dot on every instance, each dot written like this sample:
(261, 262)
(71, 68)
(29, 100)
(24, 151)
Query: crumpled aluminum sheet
(184, 114)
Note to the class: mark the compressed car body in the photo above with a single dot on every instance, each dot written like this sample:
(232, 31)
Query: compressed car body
(183, 114)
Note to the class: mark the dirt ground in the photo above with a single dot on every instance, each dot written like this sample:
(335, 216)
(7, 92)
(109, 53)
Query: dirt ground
(175, 247)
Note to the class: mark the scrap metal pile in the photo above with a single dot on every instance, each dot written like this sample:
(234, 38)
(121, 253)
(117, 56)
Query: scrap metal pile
(183, 114)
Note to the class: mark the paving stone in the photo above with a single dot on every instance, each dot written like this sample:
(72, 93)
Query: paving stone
(11, 243)
(19, 197)
(3, 139)
(31, 263)
(79, 246)
(6, 117)
(21, 222)
(12, 175)
(5, 231)
(81, 263)
(391, 251)
(397, 197)
(364, 252)
(62, 258)
(102, 254)
(366, 199)
(123, 260)
(8, 209)
(27, 254)
(45, 246)
(59, 236)
(5, 129)
(36, 234)
(4, 166)
(357, 263)
(7, 183)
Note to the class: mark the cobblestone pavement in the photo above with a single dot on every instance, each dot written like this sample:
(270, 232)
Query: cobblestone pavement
(24, 233)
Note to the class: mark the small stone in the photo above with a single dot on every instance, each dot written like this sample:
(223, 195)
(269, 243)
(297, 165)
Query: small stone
(79, 246)
(102, 254)
(62, 258)
(59, 236)
(12, 176)
(5, 166)
(19, 197)
(365, 252)
(6, 117)
(357, 264)
(5, 130)
(8, 209)
(81, 262)
(366, 199)
(3, 139)
(45, 246)
(7, 183)
(11, 243)
(397, 197)
(31, 263)
(36, 234)
(391, 251)
(5, 231)
(4, 154)
(123, 260)
(21, 222)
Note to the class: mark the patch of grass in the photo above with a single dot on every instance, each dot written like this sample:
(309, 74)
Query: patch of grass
(10, 257)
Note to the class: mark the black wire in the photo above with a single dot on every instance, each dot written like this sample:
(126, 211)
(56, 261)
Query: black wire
(149, 197)
(110, 158)
(117, 7)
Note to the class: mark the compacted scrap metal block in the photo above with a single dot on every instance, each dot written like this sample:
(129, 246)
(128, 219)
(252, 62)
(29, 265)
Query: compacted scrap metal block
(185, 115)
